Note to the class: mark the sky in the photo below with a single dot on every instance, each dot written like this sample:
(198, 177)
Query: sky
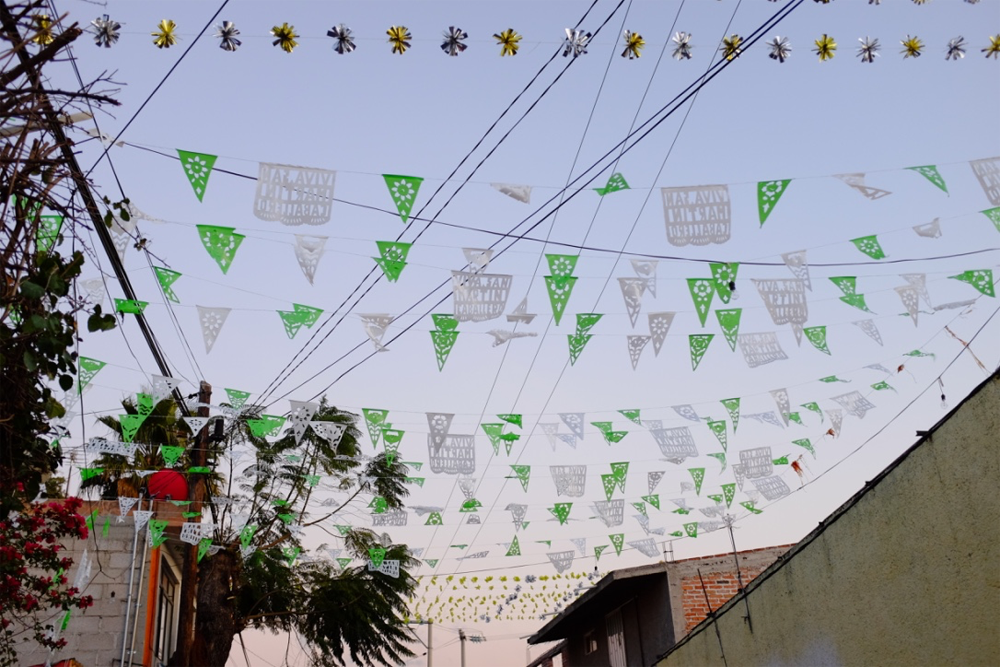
(372, 112)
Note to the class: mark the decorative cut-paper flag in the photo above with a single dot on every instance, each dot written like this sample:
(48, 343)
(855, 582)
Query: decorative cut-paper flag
(632, 290)
(514, 549)
(857, 181)
(221, 243)
(559, 289)
(576, 344)
(784, 404)
(403, 190)
(697, 215)
(675, 443)
(729, 322)
(570, 480)
(836, 421)
(870, 246)
(47, 235)
(691, 529)
(854, 403)
(599, 550)
(699, 345)
(882, 385)
(479, 296)
(293, 321)
(620, 473)
(375, 325)
(561, 560)
(457, 456)
(520, 313)
(814, 407)
(166, 278)
(95, 290)
(434, 519)
(610, 512)
(122, 235)
(574, 421)
(561, 511)
(374, 420)
(768, 194)
(930, 230)
(444, 337)
(156, 529)
(698, 475)
(196, 424)
(732, 406)
(659, 327)
(687, 412)
(636, 344)
(653, 500)
(375, 556)
(302, 413)
(724, 278)
(494, 432)
(130, 426)
(772, 488)
(308, 251)
(987, 172)
(293, 195)
(211, 320)
(702, 290)
(632, 416)
(817, 336)
(761, 348)
(796, 263)
(130, 306)
(392, 259)
(618, 541)
(125, 505)
(719, 429)
(918, 281)
(615, 183)
(197, 168)
(653, 479)
(721, 456)
(868, 326)
(646, 269)
(911, 301)
(646, 547)
(87, 369)
(521, 193)
(806, 444)
(981, 279)
(785, 300)
(930, 172)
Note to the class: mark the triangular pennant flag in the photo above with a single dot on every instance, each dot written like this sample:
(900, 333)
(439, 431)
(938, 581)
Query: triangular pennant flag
(87, 369)
(374, 419)
(47, 235)
(237, 398)
(993, 214)
(521, 193)
(981, 279)
(653, 479)
(561, 560)
(768, 194)
(930, 230)
(847, 284)
(308, 251)
(514, 549)
(523, 473)
(574, 421)
(856, 300)
(620, 472)
(495, 432)
(636, 344)
(817, 336)
(721, 456)
(698, 475)
(732, 405)
(599, 550)
(631, 415)
(443, 341)
(632, 290)
(211, 320)
(576, 344)
(156, 530)
(911, 301)
(653, 500)
(699, 345)
(163, 386)
(375, 325)
(310, 315)
(166, 277)
(125, 505)
(857, 181)
(646, 268)
(691, 529)
(197, 168)
(434, 519)
(719, 429)
(870, 246)
(196, 424)
(561, 266)
(724, 277)
(130, 306)
(659, 326)
(610, 484)
(559, 289)
(641, 508)
(293, 321)
(392, 258)
(868, 326)
(615, 183)
(561, 511)
(302, 413)
(221, 244)
(729, 492)
(814, 407)
(918, 281)
(130, 426)
(403, 190)
(87, 473)
(511, 419)
(749, 504)
(796, 263)
(376, 555)
(171, 455)
(806, 444)
(702, 290)
(930, 172)
(618, 541)
(729, 322)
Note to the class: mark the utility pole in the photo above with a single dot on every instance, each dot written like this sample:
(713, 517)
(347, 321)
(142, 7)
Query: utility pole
(462, 638)
(189, 573)
(430, 643)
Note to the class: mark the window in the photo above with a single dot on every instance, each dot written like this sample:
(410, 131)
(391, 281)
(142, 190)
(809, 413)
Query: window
(589, 642)
(163, 642)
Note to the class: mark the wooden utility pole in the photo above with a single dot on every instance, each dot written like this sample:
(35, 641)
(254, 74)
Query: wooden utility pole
(189, 573)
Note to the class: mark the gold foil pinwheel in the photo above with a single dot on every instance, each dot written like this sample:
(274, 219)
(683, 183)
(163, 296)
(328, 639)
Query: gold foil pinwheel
(731, 46)
(400, 38)
(165, 37)
(43, 30)
(993, 50)
(634, 44)
(912, 46)
(508, 41)
(826, 47)
(284, 37)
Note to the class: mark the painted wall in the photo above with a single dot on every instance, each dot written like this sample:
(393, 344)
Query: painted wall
(906, 573)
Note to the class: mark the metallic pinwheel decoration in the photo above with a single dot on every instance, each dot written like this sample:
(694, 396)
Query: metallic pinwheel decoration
(956, 49)
(43, 30)
(400, 38)
(105, 31)
(912, 47)
(634, 44)
(780, 49)
(227, 32)
(993, 50)
(508, 41)
(920, 2)
(165, 37)
(576, 42)
(683, 49)
(284, 37)
(868, 51)
(731, 46)
(826, 48)
(343, 39)
(453, 44)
